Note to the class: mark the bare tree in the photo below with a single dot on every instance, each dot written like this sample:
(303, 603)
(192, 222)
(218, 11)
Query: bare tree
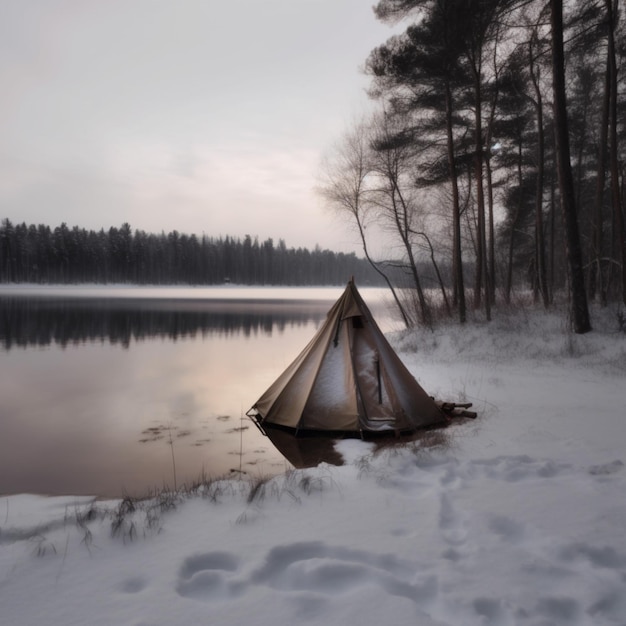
(343, 185)
(393, 165)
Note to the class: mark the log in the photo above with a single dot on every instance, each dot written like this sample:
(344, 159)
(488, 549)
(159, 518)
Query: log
(457, 409)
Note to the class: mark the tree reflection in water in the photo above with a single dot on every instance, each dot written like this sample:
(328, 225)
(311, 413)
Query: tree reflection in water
(27, 321)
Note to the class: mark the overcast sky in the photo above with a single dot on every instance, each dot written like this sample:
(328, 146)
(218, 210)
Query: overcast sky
(205, 116)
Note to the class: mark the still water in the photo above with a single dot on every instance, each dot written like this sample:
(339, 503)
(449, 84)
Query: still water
(114, 391)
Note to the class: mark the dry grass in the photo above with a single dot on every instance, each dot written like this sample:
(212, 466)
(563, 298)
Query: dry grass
(436, 438)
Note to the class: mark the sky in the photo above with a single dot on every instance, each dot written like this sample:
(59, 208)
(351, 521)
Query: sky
(202, 116)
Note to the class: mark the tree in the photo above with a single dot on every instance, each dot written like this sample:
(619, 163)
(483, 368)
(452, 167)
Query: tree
(395, 197)
(343, 185)
(612, 7)
(521, 128)
(514, 128)
(417, 71)
(541, 282)
(580, 311)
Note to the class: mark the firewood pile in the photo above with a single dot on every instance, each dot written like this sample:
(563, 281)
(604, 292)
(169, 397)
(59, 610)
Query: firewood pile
(456, 409)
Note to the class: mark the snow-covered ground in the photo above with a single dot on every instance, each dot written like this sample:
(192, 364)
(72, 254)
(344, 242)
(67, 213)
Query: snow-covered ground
(521, 519)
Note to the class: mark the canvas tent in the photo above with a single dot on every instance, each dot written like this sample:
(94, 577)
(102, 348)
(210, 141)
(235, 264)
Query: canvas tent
(348, 379)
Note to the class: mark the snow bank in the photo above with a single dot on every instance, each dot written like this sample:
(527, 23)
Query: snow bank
(519, 521)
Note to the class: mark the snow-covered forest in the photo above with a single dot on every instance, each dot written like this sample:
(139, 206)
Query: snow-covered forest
(496, 148)
(62, 254)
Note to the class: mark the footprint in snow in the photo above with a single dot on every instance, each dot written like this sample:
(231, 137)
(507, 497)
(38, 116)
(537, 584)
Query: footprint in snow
(517, 468)
(559, 610)
(317, 567)
(491, 610)
(133, 585)
(606, 469)
(208, 577)
(604, 556)
(451, 523)
(309, 572)
(508, 529)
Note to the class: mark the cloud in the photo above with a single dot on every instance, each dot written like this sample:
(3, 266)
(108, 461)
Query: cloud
(195, 115)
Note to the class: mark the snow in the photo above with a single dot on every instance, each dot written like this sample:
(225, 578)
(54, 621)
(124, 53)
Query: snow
(519, 519)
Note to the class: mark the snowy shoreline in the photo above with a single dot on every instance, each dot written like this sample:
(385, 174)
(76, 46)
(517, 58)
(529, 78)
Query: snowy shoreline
(519, 521)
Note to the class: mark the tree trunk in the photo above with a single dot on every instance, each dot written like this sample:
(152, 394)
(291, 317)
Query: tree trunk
(491, 239)
(540, 255)
(405, 317)
(457, 258)
(491, 271)
(442, 286)
(613, 156)
(580, 310)
(597, 279)
(481, 247)
(552, 237)
(401, 219)
(518, 208)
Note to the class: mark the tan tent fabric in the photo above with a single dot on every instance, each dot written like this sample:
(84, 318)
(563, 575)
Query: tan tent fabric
(348, 379)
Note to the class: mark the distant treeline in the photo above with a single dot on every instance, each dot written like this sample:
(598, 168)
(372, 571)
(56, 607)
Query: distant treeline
(40, 254)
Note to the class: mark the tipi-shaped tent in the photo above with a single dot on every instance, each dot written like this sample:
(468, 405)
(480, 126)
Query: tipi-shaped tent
(347, 380)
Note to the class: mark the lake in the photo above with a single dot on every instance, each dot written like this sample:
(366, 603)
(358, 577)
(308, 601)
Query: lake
(114, 391)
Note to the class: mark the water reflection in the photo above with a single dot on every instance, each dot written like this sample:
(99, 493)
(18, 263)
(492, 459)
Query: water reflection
(304, 452)
(26, 321)
(98, 392)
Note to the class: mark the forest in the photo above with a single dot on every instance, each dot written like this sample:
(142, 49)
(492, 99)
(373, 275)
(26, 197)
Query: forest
(496, 149)
(491, 165)
(41, 254)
